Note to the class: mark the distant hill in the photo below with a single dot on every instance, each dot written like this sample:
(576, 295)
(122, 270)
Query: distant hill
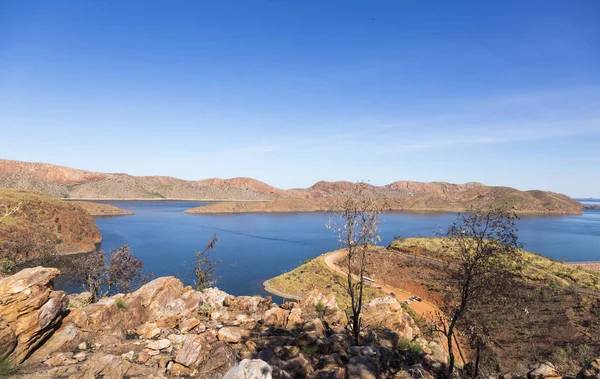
(64, 182)
(44, 226)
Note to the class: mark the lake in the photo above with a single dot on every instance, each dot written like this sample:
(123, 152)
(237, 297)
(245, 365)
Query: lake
(256, 247)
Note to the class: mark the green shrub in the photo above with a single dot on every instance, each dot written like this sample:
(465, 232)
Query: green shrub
(121, 305)
(205, 309)
(403, 344)
(406, 344)
(6, 266)
(416, 348)
(6, 368)
(320, 308)
(309, 350)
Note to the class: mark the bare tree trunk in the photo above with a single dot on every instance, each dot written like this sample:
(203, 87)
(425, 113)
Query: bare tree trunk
(477, 356)
(450, 350)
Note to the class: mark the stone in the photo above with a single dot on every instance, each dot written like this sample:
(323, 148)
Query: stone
(294, 320)
(590, 370)
(316, 326)
(188, 324)
(177, 369)
(130, 355)
(30, 309)
(143, 357)
(8, 340)
(80, 300)
(80, 356)
(147, 330)
(334, 373)
(193, 352)
(232, 334)
(250, 369)
(329, 362)
(82, 346)
(151, 352)
(287, 352)
(299, 367)
(331, 314)
(159, 344)
(176, 339)
(221, 359)
(276, 316)
(362, 367)
(543, 371)
(56, 360)
(386, 312)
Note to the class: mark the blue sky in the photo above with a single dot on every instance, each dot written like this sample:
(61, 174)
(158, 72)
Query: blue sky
(291, 92)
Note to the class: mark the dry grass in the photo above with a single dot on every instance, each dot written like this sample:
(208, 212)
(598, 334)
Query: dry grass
(44, 225)
(315, 275)
(97, 209)
(534, 268)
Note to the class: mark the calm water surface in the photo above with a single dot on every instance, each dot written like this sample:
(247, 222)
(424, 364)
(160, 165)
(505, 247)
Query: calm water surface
(256, 247)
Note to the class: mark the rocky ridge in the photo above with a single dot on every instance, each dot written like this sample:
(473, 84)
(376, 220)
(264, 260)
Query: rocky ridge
(64, 182)
(167, 330)
(44, 226)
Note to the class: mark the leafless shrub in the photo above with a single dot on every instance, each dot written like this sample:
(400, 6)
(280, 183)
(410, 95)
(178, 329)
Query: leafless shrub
(357, 229)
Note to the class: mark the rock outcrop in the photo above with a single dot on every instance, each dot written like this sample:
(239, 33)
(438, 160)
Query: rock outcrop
(29, 311)
(43, 226)
(166, 329)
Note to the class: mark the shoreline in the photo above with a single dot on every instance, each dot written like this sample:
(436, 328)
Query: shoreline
(523, 213)
(158, 199)
(275, 292)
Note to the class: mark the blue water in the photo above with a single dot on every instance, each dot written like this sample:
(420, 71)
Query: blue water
(256, 247)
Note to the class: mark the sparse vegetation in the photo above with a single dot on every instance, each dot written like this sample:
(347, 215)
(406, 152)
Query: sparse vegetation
(320, 308)
(6, 265)
(6, 368)
(35, 227)
(120, 304)
(531, 267)
(205, 267)
(205, 309)
(406, 344)
(480, 275)
(316, 276)
(122, 272)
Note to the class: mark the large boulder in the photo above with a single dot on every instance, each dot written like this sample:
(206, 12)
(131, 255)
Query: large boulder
(544, 371)
(590, 370)
(315, 304)
(159, 302)
(220, 360)
(193, 352)
(362, 367)
(386, 312)
(29, 311)
(250, 369)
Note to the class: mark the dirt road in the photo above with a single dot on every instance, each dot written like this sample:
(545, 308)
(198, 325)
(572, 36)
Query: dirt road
(424, 308)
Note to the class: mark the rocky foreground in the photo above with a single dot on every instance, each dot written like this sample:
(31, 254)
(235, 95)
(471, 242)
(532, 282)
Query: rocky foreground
(167, 330)
(65, 182)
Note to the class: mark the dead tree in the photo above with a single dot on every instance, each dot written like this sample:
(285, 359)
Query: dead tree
(357, 227)
(484, 253)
